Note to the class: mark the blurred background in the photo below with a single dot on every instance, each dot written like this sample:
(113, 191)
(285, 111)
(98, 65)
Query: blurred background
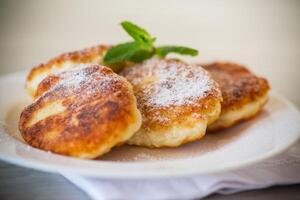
(264, 35)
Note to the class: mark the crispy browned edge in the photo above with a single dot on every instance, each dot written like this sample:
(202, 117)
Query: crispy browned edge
(101, 119)
(86, 55)
(83, 56)
(242, 88)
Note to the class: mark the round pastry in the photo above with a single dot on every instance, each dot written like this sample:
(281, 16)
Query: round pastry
(244, 94)
(177, 102)
(82, 112)
(62, 63)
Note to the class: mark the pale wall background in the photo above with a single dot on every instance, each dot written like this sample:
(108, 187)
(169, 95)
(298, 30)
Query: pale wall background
(264, 35)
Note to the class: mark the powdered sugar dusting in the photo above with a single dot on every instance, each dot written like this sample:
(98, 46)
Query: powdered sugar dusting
(81, 80)
(146, 157)
(167, 82)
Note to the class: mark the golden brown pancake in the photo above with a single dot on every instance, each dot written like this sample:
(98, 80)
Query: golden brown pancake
(244, 94)
(177, 102)
(65, 62)
(82, 112)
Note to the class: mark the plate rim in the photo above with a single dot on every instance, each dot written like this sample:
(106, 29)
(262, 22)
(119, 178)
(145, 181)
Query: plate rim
(51, 167)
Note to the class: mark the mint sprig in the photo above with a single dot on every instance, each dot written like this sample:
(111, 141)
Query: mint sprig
(164, 50)
(138, 33)
(121, 52)
(142, 47)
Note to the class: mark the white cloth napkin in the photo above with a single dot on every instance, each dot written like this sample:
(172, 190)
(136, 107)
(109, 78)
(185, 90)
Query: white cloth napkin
(279, 170)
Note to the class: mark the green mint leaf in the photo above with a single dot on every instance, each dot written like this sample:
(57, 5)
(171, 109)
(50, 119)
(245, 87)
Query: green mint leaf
(164, 50)
(142, 54)
(137, 33)
(121, 52)
(140, 49)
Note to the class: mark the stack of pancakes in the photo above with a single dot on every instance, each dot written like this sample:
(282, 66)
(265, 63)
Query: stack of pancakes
(83, 109)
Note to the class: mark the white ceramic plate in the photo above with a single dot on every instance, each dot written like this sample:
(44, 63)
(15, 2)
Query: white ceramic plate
(272, 131)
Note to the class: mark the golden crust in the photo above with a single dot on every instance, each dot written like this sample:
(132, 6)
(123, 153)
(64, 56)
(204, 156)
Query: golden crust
(169, 98)
(239, 88)
(82, 112)
(83, 56)
(63, 62)
(244, 113)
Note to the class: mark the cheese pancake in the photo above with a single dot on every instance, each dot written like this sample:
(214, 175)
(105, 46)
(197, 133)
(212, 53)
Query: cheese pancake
(82, 112)
(177, 102)
(62, 63)
(244, 94)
